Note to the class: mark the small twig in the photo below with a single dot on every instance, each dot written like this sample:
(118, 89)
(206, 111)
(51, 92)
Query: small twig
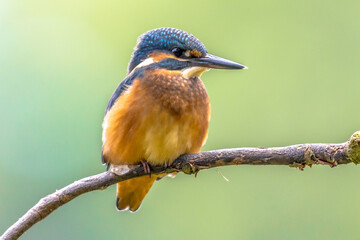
(298, 156)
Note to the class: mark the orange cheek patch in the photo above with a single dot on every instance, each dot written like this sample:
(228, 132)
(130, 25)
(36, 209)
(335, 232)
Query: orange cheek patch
(157, 56)
(195, 53)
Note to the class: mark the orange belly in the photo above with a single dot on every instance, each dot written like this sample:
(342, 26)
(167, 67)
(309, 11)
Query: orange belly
(141, 126)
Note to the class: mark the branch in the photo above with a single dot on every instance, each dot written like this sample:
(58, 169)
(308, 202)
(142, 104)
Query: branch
(294, 156)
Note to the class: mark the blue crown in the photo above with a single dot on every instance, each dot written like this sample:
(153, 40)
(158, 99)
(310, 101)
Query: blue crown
(164, 39)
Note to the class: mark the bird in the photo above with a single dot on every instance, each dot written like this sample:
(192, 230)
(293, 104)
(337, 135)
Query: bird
(161, 109)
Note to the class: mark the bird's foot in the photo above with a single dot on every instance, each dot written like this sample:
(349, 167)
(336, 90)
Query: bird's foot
(146, 167)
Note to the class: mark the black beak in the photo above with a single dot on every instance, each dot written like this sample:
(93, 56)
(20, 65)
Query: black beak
(211, 61)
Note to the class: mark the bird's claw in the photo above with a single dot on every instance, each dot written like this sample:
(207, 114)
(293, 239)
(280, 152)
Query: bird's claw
(146, 167)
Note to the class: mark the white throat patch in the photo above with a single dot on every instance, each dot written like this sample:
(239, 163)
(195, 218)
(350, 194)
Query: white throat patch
(194, 71)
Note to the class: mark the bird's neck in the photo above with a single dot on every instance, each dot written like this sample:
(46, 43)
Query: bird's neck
(175, 92)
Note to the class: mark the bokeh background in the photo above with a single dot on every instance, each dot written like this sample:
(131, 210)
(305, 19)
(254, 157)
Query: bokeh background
(61, 60)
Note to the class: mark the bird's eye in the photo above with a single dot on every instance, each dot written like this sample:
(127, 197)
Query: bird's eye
(178, 52)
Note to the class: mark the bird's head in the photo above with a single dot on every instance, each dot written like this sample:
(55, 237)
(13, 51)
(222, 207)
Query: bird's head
(173, 49)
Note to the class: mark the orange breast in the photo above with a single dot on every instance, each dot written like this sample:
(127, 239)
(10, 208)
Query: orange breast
(157, 119)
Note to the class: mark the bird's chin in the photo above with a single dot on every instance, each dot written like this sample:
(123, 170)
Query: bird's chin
(194, 71)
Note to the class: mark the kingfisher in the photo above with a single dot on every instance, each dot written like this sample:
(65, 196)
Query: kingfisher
(161, 109)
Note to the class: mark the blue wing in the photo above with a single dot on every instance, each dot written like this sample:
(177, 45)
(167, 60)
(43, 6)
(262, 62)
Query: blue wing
(121, 88)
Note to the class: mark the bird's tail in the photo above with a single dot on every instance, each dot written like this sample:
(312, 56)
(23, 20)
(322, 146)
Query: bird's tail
(130, 193)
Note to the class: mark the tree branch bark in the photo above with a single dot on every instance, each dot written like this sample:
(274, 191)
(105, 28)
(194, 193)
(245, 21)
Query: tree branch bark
(294, 156)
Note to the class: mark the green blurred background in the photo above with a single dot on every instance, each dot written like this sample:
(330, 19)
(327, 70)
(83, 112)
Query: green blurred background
(61, 60)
